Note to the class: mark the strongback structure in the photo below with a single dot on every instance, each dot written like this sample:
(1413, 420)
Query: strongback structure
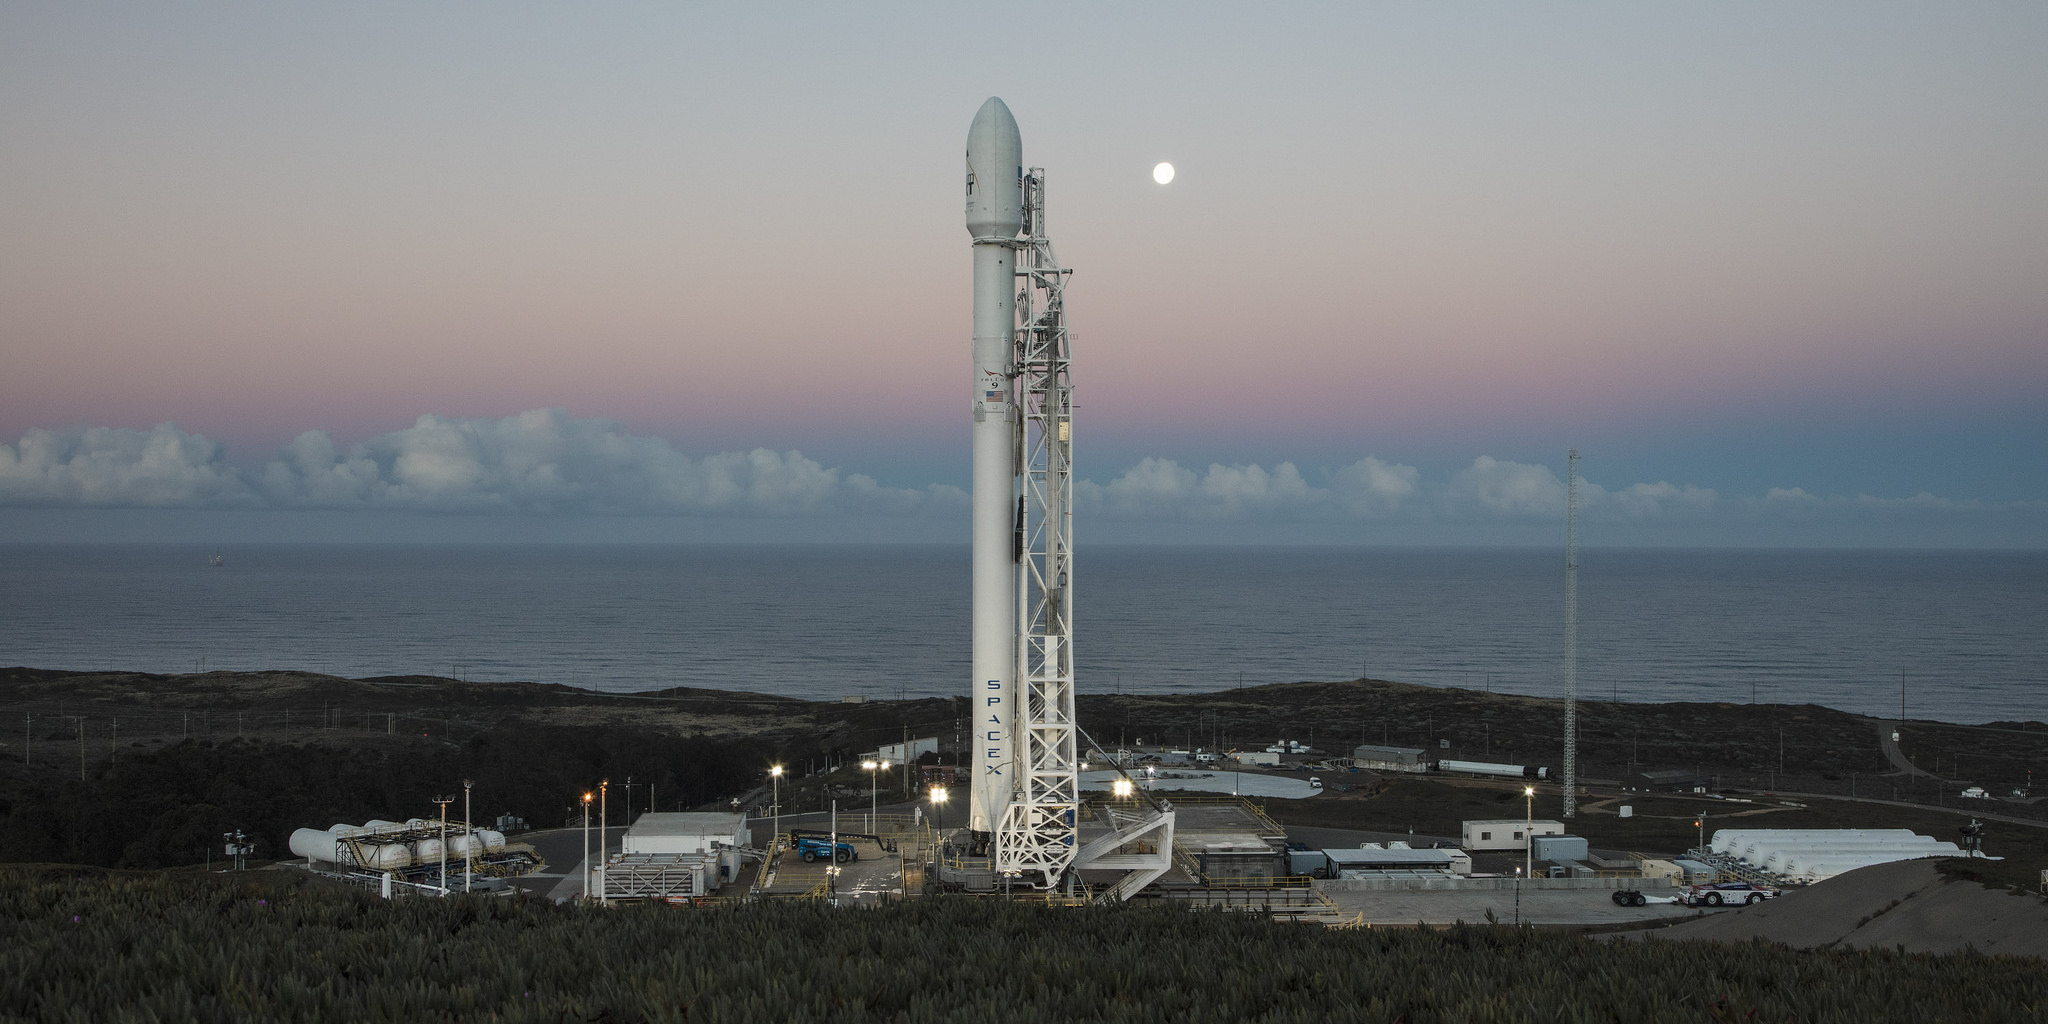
(1035, 839)
(1025, 800)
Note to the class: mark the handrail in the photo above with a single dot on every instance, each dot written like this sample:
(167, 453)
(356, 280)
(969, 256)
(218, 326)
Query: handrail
(1257, 882)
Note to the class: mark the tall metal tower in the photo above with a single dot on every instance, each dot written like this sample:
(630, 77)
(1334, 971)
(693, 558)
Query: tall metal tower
(1571, 633)
(1035, 841)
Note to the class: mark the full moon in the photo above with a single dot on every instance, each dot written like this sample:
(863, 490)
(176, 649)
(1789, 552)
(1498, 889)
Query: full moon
(1162, 173)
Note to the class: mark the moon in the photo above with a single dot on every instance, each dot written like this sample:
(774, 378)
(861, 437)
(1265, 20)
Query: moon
(1162, 173)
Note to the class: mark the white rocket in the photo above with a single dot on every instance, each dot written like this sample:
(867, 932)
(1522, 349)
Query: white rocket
(995, 215)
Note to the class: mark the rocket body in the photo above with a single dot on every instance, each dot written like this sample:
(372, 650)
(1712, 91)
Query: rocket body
(995, 214)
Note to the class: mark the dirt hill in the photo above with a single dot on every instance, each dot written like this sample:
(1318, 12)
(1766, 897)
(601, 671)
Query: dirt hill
(1909, 905)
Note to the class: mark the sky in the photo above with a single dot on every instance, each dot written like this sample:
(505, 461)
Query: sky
(698, 272)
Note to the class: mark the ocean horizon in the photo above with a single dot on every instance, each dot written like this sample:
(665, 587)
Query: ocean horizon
(1957, 633)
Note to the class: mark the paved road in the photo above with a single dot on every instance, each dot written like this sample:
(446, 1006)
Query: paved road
(1897, 757)
(1538, 906)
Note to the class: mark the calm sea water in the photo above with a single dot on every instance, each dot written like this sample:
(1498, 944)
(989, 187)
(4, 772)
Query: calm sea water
(1966, 630)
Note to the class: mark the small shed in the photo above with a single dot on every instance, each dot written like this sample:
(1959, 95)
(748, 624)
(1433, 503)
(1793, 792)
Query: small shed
(1372, 755)
(1507, 833)
(1234, 856)
(1368, 860)
(1560, 848)
(1665, 780)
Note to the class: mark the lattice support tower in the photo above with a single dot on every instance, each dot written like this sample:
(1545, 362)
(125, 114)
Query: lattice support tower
(1571, 634)
(1036, 839)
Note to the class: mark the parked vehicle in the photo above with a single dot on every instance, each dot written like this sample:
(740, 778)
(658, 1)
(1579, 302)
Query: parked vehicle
(1315, 782)
(1629, 898)
(1724, 893)
(818, 849)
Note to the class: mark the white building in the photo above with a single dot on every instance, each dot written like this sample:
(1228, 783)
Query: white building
(686, 832)
(674, 855)
(1507, 833)
(901, 753)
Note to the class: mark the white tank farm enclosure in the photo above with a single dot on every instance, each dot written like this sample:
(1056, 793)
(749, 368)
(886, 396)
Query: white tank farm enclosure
(417, 855)
(1811, 855)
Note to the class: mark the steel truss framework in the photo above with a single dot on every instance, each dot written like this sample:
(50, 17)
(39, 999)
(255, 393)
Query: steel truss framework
(1036, 839)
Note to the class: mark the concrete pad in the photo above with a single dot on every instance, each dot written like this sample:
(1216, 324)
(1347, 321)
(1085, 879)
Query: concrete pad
(1538, 906)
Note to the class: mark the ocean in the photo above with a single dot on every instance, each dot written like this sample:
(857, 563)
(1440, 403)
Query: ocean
(1964, 635)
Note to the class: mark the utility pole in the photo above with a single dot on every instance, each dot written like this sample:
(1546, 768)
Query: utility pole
(1571, 635)
(444, 801)
(468, 841)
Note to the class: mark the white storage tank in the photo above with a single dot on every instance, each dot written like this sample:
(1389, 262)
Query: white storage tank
(427, 850)
(493, 839)
(313, 844)
(384, 856)
(465, 846)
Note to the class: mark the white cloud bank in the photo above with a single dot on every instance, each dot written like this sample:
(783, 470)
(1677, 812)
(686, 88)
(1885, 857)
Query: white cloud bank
(545, 462)
(536, 462)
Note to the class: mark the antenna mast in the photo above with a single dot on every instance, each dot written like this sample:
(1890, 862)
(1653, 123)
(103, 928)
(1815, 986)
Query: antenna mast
(1571, 633)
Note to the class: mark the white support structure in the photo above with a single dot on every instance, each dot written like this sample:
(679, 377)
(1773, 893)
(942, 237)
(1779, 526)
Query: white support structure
(1571, 634)
(1035, 841)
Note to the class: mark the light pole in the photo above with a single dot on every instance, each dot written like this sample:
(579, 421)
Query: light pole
(875, 770)
(468, 841)
(939, 807)
(1518, 897)
(586, 847)
(775, 780)
(1528, 830)
(604, 822)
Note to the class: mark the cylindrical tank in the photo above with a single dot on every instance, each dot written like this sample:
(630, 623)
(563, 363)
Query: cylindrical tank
(313, 844)
(465, 846)
(427, 850)
(493, 839)
(417, 822)
(385, 856)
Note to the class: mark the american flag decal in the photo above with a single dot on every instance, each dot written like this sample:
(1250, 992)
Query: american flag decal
(996, 396)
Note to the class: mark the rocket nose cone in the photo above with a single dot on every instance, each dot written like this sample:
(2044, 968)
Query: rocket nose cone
(995, 173)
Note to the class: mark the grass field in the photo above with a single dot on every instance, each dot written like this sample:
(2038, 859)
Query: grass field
(82, 945)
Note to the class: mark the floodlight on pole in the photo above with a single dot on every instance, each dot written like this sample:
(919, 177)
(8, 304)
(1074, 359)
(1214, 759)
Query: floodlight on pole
(1528, 830)
(586, 847)
(874, 770)
(603, 824)
(775, 806)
